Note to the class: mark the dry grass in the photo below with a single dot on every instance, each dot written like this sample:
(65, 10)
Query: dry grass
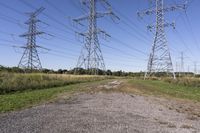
(12, 82)
(185, 81)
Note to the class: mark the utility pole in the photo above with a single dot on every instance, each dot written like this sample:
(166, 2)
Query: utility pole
(30, 58)
(177, 67)
(182, 63)
(195, 68)
(160, 58)
(188, 71)
(91, 57)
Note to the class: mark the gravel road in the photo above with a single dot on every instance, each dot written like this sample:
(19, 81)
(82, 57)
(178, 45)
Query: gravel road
(102, 113)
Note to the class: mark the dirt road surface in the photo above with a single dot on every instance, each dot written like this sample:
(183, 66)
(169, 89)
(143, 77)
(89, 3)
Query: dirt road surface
(102, 112)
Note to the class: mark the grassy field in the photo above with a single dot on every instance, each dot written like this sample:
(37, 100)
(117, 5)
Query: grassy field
(25, 90)
(165, 89)
(19, 100)
(11, 82)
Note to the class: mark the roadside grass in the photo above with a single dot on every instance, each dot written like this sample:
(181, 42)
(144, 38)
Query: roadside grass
(162, 88)
(185, 81)
(29, 98)
(15, 82)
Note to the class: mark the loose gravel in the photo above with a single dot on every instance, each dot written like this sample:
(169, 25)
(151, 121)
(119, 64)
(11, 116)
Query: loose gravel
(101, 113)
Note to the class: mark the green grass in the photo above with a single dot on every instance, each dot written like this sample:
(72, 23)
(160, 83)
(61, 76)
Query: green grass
(15, 101)
(20, 100)
(28, 98)
(161, 88)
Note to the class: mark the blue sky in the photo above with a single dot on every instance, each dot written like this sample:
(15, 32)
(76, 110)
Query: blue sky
(130, 30)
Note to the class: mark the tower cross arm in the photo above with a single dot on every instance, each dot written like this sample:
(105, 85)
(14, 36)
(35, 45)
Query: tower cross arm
(165, 9)
(110, 12)
(31, 34)
(78, 20)
(81, 18)
(86, 2)
(43, 48)
(175, 7)
(98, 31)
(102, 32)
(32, 21)
(105, 2)
(82, 33)
(166, 24)
(37, 12)
(25, 47)
(146, 12)
(102, 14)
(98, 15)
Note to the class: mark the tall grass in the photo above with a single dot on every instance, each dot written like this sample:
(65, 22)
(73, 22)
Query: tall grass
(12, 82)
(185, 81)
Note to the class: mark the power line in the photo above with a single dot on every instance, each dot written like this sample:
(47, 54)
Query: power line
(131, 24)
(15, 21)
(133, 35)
(113, 48)
(183, 42)
(142, 38)
(48, 16)
(119, 50)
(62, 54)
(73, 30)
(56, 8)
(192, 32)
(13, 9)
(128, 46)
(9, 19)
(6, 45)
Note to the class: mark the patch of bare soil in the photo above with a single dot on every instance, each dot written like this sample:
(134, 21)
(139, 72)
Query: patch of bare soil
(104, 113)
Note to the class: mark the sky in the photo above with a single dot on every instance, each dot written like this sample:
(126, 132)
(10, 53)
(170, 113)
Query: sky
(127, 49)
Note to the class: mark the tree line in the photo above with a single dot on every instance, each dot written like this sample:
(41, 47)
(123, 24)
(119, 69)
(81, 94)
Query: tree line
(81, 71)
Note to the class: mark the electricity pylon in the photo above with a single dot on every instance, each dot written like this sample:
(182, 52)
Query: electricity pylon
(160, 58)
(30, 58)
(91, 57)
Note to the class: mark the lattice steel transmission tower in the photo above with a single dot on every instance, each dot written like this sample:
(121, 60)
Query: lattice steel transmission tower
(160, 58)
(30, 58)
(91, 57)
